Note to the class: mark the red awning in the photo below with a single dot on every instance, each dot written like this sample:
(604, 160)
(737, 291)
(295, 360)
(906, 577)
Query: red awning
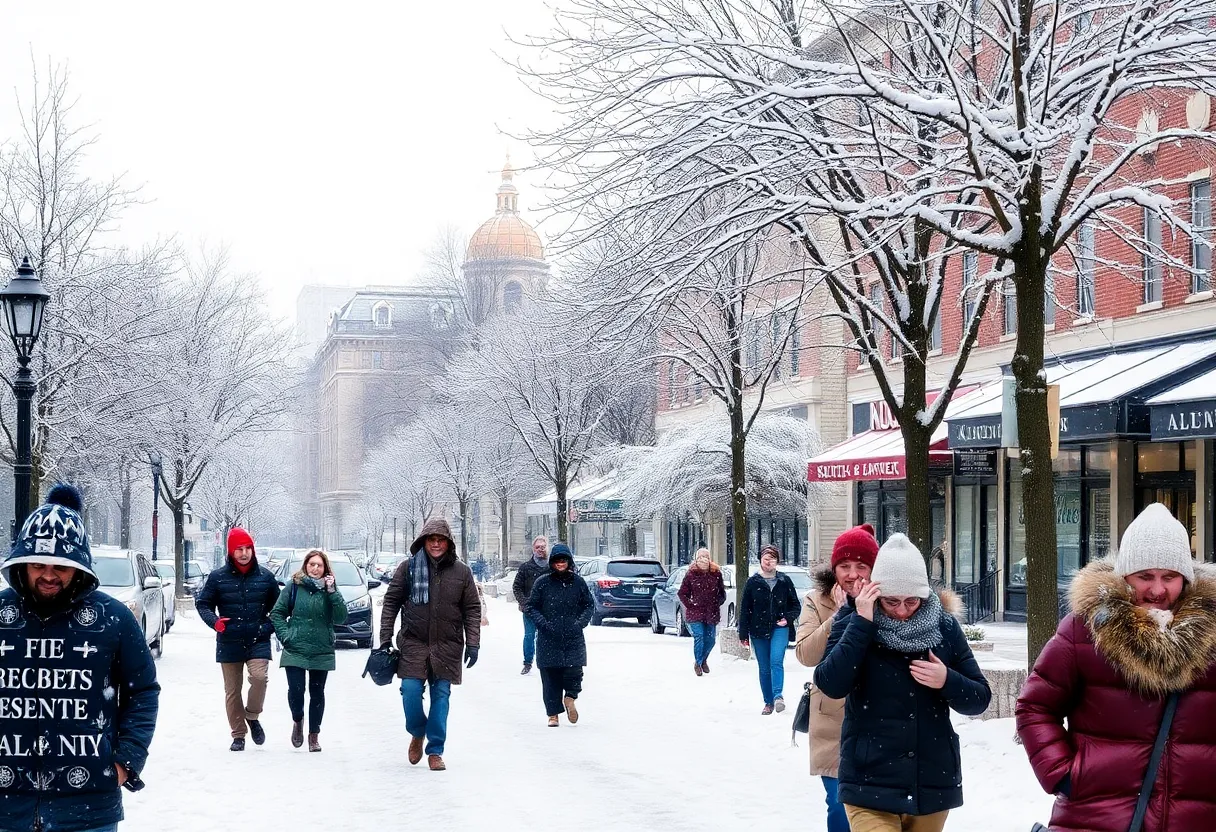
(871, 455)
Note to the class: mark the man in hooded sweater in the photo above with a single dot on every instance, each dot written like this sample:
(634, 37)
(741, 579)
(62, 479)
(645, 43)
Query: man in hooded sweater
(79, 699)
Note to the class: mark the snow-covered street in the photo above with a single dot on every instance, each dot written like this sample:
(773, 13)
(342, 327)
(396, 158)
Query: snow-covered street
(656, 748)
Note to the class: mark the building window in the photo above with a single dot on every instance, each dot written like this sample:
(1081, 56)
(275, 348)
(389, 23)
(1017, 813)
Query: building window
(1201, 242)
(377, 360)
(752, 349)
(382, 315)
(1010, 318)
(686, 388)
(698, 387)
(1152, 259)
(512, 297)
(970, 296)
(1085, 21)
(1049, 301)
(671, 384)
(795, 344)
(935, 332)
(1085, 270)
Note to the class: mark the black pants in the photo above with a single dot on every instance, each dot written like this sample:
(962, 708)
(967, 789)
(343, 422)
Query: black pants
(316, 696)
(557, 682)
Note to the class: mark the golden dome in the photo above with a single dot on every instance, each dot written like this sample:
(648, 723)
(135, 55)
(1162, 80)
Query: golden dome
(505, 235)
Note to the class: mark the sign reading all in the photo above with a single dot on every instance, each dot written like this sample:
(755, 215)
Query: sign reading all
(1186, 420)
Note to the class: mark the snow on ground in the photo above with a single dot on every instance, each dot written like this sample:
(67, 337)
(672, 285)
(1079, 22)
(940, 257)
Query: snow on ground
(656, 748)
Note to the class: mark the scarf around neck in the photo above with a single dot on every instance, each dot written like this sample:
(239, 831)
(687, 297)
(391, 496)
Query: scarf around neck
(919, 633)
(420, 579)
(317, 583)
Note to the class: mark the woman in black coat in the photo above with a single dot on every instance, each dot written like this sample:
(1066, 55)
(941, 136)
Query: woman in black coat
(767, 612)
(560, 605)
(900, 661)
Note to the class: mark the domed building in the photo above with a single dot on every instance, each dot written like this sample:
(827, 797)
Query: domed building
(505, 257)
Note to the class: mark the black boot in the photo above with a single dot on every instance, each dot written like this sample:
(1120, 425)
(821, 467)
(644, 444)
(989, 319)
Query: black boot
(238, 744)
(255, 731)
(297, 733)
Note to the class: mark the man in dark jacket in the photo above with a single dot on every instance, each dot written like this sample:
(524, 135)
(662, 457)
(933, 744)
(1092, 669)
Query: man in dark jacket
(767, 612)
(236, 602)
(79, 685)
(561, 607)
(436, 597)
(525, 579)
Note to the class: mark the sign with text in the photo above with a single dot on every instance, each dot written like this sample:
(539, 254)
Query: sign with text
(977, 463)
(1185, 420)
(881, 468)
(593, 511)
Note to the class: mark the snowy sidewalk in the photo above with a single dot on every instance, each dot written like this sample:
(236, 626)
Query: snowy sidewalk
(657, 748)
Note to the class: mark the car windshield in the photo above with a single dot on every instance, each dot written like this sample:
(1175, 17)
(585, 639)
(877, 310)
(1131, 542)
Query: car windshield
(114, 571)
(635, 569)
(165, 571)
(193, 570)
(345, 572)
(802, 581)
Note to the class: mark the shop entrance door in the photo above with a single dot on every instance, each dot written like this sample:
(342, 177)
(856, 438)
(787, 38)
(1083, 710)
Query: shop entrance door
(1179, 498)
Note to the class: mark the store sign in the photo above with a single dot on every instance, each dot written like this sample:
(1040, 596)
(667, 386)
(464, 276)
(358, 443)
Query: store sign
(888, 468)
(597, 511)
(981, 463)
(1075, 423)
(1187, 420)
(981, 432)
(881, 417)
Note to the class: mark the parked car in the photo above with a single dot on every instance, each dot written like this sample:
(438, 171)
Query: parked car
(354, 587)
(383, 567)
(798, 574)
(506, 584)
(273, 556)
(168, 586)
(623, 587)
(128, 576)
(196, 575)
(668, 611)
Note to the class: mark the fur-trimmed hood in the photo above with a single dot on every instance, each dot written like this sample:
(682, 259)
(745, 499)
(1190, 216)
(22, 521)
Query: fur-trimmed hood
(822, 581)
(1155, 659)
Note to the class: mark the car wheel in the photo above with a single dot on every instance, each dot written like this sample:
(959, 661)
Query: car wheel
(682, 625)
(643, 619)
(596, 619)
(656, 625)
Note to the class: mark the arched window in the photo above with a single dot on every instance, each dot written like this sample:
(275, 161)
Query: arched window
(382, 315)
(512, 297)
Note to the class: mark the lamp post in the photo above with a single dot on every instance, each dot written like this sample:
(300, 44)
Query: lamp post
(24, 300)
(155, 459)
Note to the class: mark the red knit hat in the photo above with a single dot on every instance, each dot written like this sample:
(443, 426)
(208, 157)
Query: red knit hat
(858, 543)
(238, 537)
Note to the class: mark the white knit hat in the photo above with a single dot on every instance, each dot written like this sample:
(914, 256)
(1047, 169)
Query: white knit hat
(900, 569)
(1155, 540)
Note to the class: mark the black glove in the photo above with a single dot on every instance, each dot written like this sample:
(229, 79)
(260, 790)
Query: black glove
(470, 656)
(388, 645)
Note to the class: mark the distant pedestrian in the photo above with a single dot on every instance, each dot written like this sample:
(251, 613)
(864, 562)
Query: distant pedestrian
(901, 662)
(436, 597)
(236, 602)
(768, 607)
(525, 577)
(81, 695)
(853, 556)
(702, 593)
(304, 619)
(561, 607)
(1142, 632)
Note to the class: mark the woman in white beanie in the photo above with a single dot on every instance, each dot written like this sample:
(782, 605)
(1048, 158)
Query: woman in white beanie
(901, 662)
(1141, 635)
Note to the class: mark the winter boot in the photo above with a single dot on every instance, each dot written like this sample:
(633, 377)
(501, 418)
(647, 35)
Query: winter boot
(415, 750)
(313, 743)
(238, 744)
(704, 667)
(527, 669)
(255, 731)
(697, 669)
(297, 733)
(779, 705)
(552, 722)
(571, 711)
(768, 710)
(436, 763)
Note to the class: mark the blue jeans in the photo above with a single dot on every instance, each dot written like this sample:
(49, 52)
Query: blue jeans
(770, 658)
(704, 637)
(838, 821)
(418, 723)
(529, 639)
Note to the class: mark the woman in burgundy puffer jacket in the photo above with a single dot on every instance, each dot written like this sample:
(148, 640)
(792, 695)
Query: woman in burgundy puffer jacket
(702, 593)
(1143, 626)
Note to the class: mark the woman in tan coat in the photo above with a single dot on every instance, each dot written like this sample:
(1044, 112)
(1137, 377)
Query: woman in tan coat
(853, 557)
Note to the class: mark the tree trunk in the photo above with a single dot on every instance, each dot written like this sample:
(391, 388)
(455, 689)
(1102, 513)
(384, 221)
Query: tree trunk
(504, 513)
(124, 515)
(563, 527)
(1034, 440)
(917, 438)
(464, 529)
(738, 497)
(178, 508)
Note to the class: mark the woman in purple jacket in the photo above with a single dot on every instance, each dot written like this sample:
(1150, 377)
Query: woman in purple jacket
(702, 593)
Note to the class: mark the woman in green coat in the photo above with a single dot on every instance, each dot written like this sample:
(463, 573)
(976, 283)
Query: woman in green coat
(304, 618)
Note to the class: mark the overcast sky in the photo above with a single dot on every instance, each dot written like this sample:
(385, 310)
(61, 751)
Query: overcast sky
(322, 142)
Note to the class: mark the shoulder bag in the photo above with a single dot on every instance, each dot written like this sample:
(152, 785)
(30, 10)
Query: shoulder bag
(1154, 766)
(802, 714)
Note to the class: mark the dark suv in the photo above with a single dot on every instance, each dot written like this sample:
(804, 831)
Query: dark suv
(622, 587)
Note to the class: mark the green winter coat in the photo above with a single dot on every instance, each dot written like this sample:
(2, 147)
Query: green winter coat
(307, 631)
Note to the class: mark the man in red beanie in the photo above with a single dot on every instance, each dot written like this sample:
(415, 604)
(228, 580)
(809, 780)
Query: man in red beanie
(236, 602)
(853, 557)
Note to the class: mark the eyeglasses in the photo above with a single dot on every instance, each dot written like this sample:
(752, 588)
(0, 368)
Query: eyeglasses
(894, 603)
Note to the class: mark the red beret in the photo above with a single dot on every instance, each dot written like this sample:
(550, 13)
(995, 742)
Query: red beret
(858, 543)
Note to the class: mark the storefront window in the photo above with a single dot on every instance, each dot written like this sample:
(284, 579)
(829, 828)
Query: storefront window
(1157, 457)
(1098, 522)
(1097, 459)
(1067, 462)
(1017, 528)
(965, 533)
(1068, 527)
(991, 511)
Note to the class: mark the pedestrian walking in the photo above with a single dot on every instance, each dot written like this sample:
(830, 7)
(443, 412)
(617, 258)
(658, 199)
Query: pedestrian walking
(435, 595)
(304, 619)
(525, 578)
(702, 593)
(853, 556)
(769, 604)
(236, 602)
(63, 760)
(899, 659)
(561, 607)
(1138, 644)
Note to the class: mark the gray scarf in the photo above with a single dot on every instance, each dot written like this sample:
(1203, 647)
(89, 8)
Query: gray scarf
(420, 579)
(317, 583)
(919, 633)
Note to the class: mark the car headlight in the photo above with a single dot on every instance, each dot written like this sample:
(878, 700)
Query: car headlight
(362, 603)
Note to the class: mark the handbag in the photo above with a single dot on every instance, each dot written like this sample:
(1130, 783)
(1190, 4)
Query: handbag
(802, 714)
(1154, 766)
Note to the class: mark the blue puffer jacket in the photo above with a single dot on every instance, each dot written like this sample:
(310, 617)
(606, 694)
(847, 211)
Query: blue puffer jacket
(898, 750)
(78, 693)
(246, 601)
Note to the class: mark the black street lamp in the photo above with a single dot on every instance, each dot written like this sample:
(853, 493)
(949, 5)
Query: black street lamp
(24, 300)
(155, 459)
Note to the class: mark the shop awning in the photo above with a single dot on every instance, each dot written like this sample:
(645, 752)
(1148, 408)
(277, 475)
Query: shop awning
(871, 455)
(1185, 411)
(1101, 396)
